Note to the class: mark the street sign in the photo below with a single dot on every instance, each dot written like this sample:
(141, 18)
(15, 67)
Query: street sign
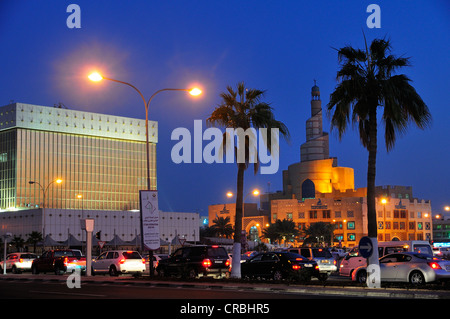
(365, 247)
(149, 219)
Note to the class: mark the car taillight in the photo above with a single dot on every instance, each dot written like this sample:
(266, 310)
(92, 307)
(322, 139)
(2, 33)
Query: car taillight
(434, 265)
(66, 260)
(20, 260)
(122, 261)
(296, 267)
(206, 263)
(317, 267)
(227, 263)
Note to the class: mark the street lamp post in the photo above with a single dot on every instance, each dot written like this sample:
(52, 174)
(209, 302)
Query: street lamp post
(96, 77)
(44, 190)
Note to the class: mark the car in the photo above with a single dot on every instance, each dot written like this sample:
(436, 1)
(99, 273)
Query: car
(156, 259)
(414, 268)
(350, 262)
(193, 261)
(354, 259)
(280, 265)
(116, 262)
(441, 252)
(18, 262)
(248, 255)
(59, 261)
(323, 257)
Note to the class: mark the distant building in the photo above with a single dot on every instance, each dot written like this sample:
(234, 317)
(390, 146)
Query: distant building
(316, 189)
(101, 160)
(100, 157)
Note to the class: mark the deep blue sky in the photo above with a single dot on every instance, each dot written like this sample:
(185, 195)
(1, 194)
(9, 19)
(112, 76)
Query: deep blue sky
(278, 46)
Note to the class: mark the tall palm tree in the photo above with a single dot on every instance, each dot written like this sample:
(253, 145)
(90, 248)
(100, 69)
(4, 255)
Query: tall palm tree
(366, 81)
(243, 108)
(222, 226)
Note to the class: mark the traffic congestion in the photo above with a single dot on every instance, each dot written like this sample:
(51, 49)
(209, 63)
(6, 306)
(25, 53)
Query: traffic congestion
(413, 262)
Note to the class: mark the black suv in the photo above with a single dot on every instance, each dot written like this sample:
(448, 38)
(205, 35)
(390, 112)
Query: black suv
(196, 260)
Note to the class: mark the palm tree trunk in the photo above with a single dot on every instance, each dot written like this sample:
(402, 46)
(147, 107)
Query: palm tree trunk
(236, 261)
(371, 172)
(373, 268)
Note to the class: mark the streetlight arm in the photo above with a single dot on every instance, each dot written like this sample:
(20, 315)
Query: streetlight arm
(159, 91)
(131, 85)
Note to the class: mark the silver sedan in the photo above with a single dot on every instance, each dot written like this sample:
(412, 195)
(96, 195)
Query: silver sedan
(409, 267)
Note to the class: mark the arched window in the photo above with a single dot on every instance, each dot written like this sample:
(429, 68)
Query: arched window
(308, 189)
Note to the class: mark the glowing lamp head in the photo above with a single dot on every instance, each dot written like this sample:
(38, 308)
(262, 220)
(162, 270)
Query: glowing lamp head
(59, 181)
(96, 77)
(195, 91)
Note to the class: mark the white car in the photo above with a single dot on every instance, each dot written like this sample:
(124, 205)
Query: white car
(18, 262)
(116, 262)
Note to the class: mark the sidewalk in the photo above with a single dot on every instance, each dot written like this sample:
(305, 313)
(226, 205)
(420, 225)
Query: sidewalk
(319, 290)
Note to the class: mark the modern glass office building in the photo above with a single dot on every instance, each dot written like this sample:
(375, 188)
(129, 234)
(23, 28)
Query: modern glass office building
(100, 158)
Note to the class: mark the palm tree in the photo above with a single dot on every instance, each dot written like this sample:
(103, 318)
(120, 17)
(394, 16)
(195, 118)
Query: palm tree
(243, 109)
(319, 232)
(286, 229)
(366, 81)
(33, 238)
(222, 227)
(271, 233)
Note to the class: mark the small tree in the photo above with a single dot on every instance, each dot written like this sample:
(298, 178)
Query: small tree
(33, 238)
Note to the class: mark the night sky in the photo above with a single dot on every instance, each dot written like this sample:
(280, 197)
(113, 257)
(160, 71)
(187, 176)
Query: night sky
(278, 46)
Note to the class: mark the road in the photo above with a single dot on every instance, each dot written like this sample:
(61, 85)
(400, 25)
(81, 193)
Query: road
(22, 289)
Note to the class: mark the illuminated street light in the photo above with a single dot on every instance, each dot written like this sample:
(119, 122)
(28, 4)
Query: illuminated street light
(96, 77)
(44, 190)
(195, 91)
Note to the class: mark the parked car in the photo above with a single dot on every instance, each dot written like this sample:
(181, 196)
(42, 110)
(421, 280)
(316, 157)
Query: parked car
(155, 259)
(195, 261)
(441, 252)
(323, 257)
(411, 267)
(18, 262)
(59, 261)
(350, 262)
(354, 260)
(116, 262)
(248, 255)
(280, 265)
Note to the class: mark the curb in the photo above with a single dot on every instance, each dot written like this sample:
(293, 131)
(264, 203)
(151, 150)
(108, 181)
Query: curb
(361, 292)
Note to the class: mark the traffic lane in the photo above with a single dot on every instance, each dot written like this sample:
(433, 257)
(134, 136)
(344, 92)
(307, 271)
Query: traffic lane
(58, 290)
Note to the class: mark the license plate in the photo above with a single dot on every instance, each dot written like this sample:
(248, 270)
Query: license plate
(218, 261)
(308, 265)
(324, 261)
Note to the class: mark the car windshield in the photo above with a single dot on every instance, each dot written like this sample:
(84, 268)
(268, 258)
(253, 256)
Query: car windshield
(131, 255)
(423, 249)
(217, 252)
(322, 253)
(64, 253)
(28, 256)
